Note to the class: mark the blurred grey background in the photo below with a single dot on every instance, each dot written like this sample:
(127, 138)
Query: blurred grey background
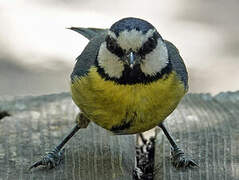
(37, 53)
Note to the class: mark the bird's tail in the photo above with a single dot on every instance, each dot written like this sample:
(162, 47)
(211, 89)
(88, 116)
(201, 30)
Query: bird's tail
(89, 33)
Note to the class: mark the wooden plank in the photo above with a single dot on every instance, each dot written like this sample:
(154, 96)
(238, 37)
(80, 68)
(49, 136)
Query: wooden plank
(37, 124)
(207, 128)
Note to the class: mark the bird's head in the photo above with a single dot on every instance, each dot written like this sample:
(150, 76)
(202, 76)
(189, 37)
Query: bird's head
(132, 48)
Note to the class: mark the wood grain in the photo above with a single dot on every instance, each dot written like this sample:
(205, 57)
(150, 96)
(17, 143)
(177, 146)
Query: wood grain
(37, 124)
(207, 129)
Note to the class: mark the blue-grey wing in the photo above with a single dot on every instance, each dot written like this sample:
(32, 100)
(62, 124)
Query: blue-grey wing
(89, 33)
(177, 63)
(88, 57)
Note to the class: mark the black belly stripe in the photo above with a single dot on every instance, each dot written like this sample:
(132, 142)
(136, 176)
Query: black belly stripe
(124, 124)
(121, 127)
(135, 75)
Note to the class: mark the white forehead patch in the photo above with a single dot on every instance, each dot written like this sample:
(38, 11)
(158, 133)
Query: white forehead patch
(156, 60)
(131, 39)
(110, 62)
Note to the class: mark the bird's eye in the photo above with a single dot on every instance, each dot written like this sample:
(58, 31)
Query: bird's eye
(113, 47)
(151, 43)
(148, 46)
(111, 44)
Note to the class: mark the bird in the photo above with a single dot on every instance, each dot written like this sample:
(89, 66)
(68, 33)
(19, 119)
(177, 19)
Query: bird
(127, 80)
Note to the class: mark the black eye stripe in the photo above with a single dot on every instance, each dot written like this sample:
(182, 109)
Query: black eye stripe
(149, 45)
(113, 47)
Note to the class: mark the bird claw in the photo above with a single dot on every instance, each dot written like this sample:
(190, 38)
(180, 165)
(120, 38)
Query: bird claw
(137, 173)
(50, 160)
(179, 159)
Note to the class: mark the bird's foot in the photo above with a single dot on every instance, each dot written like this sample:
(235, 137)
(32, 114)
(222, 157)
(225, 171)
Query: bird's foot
(50, 160)
(137, 173)
(179, 160)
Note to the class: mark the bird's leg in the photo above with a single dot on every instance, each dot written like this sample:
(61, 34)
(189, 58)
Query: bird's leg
(179, 159)
(53, 158)
(143, 139)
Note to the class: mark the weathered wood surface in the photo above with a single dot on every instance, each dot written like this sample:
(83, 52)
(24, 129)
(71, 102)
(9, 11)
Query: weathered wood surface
(207, 128)
(37, 124)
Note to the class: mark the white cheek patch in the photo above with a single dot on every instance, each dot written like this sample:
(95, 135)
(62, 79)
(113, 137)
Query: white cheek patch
(110, 62)
(156, 60)
(131, 39)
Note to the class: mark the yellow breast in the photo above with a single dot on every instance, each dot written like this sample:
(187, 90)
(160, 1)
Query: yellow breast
(126, 109)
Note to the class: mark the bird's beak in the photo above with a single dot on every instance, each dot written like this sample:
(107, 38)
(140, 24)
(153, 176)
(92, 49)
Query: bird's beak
(131, 60)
